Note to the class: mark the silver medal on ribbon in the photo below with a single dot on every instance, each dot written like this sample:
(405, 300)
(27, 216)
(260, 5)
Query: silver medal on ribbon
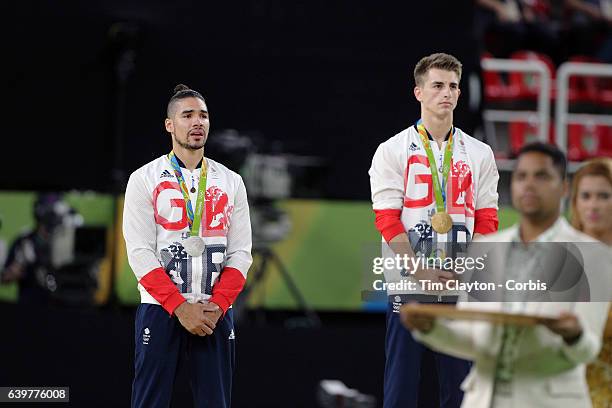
(194, 246)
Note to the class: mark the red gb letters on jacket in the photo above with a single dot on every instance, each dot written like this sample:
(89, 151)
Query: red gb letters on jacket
(167, 199)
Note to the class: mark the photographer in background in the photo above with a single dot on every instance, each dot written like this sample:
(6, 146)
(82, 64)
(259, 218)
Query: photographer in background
(34, 256)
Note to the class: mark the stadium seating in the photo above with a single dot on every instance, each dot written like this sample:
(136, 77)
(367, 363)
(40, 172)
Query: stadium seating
(588, 94)
(588, 141)
(583, 89)
(528, 85)
(522, 133)
(496, 89)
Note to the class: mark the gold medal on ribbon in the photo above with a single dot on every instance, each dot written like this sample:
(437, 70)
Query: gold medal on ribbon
(441, 222)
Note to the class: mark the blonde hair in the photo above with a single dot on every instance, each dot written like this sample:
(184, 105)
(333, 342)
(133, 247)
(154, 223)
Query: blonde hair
(597, 167)
(439, 60)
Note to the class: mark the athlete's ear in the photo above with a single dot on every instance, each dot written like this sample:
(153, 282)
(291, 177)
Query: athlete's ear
(417, 93)
(169, 125)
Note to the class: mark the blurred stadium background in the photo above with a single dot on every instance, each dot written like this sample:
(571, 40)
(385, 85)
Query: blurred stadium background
(301, 94)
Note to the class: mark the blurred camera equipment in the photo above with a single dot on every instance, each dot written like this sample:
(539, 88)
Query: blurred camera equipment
(267, 174)
(67, 254)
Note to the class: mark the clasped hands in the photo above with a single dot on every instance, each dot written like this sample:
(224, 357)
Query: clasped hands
(198, 318)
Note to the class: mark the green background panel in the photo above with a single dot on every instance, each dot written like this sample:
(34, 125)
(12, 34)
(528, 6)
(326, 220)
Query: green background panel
(326, 252)
(17, 214)
(322, 254)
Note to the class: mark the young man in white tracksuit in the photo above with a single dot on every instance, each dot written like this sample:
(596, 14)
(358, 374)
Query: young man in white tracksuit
(433, 189)
(188, 237)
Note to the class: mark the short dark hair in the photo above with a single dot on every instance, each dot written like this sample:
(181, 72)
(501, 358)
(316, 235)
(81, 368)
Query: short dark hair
(182, 91)
(439, 60)
(557, 156)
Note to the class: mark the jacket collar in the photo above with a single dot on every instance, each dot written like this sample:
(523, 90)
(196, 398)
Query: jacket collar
(182, 165)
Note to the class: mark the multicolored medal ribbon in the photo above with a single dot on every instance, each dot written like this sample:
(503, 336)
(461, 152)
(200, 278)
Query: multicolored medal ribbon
(194, 245)
(441, 221)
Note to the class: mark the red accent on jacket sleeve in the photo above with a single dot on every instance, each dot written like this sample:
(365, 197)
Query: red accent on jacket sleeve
(225, 292)
(389, 223)
(159, 285)
(485, 221)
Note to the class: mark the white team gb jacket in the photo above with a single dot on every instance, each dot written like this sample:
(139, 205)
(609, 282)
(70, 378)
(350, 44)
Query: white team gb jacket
(155, 226)
(400, 180)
